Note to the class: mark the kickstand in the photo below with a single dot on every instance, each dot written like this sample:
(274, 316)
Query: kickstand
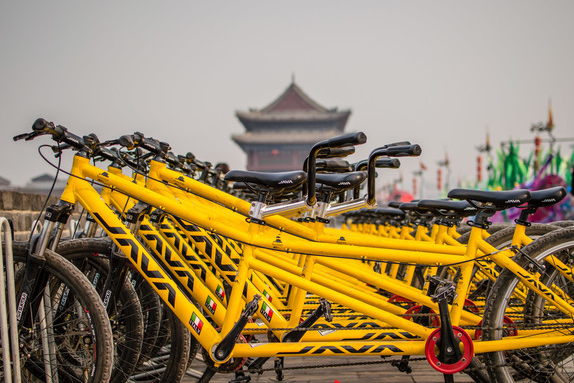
(403, 364)
(279, 368)
(448, 378)
(240, 377)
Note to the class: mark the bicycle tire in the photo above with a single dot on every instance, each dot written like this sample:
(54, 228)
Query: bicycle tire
(533, 364)
(566, 223)
(152, 311)
(180, 345)
(176, 342)
(82, 333)
(503, 238)
(492, 229)
(127, 319)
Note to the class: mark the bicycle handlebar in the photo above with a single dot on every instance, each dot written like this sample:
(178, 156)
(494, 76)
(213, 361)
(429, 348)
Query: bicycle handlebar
(333, 165)
(59, 134)
(131, 141)
(343, 151)
(348, 139)
(335, 142)
(390, 163)
(391, 151)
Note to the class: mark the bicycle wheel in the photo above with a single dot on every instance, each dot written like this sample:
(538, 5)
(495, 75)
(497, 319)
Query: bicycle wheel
(166, 362)
(492, 229)
(506, 314)
(501, 239)
(171, 361)
(70, 330)
(90, 255)
(152, 310)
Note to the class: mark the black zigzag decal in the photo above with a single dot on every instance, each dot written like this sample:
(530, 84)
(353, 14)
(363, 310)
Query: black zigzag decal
(134, 248)
(111, 229)
(146, 271)
(184, 273)
(171, 292)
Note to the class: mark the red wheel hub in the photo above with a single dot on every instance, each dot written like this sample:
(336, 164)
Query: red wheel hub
(471, 306)
(398, 299)
(431, 348)
(433, 318)
(509, 330)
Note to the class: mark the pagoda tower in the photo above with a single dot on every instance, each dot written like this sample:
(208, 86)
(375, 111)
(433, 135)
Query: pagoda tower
(279, 136)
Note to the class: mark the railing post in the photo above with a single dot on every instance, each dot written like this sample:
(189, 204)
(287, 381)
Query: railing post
(8, 333)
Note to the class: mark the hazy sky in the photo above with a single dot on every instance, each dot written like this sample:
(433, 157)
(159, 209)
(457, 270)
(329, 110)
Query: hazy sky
(437, 73)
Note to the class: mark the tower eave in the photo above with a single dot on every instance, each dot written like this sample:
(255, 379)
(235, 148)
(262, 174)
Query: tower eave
(287, 138)
(292, 116)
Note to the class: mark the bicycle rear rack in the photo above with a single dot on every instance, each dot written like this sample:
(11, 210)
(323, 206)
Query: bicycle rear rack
(8, 333)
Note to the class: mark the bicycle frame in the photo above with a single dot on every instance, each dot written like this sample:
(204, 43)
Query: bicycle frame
(293, 238)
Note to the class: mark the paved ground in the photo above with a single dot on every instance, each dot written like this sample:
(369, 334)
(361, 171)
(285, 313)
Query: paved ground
(422, 372)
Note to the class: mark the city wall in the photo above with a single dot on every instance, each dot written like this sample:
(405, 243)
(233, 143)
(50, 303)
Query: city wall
(23, 209)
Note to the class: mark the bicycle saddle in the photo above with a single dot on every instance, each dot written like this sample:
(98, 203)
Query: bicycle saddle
(499, 200)
(413, 208)
(448, 208)
(546, 197)
(272, 180)
(341, 181)
(385, 211)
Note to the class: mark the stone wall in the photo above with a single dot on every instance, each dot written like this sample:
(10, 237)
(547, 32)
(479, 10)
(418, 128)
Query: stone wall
(23, 209)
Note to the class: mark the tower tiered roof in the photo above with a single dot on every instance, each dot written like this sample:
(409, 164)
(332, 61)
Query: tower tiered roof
(291, 123)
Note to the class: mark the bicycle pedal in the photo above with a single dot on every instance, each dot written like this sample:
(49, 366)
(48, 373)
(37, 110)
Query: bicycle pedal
(438, 280)
(326, 308)
(447, 292)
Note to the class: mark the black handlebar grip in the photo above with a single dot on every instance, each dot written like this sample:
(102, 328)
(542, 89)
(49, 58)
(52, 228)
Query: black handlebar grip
(357, 138)
(404, 151)
(40, 124)
(400, 143)
(342, 151)
(334, 165)
(391, 163)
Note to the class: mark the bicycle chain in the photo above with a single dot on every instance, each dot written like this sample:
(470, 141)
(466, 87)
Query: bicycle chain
(466, 327)
(390, 361)
(327, 365)
(467, 370)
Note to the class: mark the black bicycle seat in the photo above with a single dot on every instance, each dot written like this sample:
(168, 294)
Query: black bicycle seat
(282, 180)
(498, 200)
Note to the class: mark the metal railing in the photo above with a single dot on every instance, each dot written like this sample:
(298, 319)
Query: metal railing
(8, 323)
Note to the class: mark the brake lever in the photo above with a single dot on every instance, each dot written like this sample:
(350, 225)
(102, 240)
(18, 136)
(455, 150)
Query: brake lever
(27, 136)
(20, 136)
(59, 149)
